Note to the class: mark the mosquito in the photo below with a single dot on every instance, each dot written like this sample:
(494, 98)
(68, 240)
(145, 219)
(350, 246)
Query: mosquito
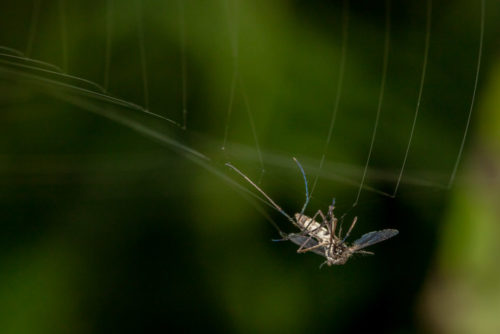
(321, 237)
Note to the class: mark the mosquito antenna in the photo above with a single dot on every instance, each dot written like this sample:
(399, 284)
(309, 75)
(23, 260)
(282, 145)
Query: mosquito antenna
(305, 182)
(276, 206)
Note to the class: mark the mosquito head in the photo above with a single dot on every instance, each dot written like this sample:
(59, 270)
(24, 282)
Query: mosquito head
(337, 261)
(337, 253)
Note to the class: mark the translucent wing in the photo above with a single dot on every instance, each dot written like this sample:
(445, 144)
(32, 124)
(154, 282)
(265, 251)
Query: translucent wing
(373, 237)
(301, 239)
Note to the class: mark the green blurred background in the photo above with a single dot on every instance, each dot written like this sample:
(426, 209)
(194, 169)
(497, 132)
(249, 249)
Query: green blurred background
(104, 229)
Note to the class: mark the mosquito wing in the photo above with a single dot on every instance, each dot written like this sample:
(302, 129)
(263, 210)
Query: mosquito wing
(373, 237)
(306, 242)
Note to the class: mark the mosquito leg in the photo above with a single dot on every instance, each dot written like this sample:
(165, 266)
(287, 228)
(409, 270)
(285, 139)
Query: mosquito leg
(305, 227)
(323, 222)
(311, 248)
(276, 206)
(334, 226)
(331, 208)
(311, 233)
(301, 216)
(365, 252)
(332, 232)
(303, 244)
(350, 228)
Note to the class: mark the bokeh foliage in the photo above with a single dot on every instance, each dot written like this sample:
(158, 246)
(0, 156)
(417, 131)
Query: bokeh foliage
(105, 229)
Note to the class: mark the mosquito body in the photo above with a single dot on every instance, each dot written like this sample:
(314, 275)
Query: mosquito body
(321, 237)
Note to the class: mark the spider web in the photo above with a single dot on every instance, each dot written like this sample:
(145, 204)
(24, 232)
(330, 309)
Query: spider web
(248, 130)
(375, 99)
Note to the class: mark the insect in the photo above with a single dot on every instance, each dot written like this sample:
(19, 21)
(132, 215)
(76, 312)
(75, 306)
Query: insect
(321, 237)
